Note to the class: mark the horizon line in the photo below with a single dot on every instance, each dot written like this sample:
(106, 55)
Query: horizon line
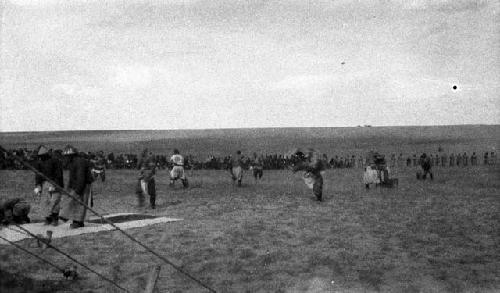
(247, 128)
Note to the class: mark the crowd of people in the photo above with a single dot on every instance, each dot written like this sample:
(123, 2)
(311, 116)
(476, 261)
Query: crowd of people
(268, 161)
(85, 168)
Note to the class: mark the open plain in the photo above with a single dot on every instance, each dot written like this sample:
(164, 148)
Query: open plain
(422, 236)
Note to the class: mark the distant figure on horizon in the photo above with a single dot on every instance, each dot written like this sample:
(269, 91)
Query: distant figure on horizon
(493, 158)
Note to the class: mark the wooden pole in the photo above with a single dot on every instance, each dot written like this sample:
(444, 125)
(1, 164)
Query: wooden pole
(153, 277)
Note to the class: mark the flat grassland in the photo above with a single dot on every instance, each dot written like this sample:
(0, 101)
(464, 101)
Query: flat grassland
(423, 236)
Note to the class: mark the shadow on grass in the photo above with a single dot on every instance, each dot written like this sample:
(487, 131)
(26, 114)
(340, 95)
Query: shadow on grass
(16, 283)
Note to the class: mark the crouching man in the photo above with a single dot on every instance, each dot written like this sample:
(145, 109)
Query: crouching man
(14, 211)
(311, 163)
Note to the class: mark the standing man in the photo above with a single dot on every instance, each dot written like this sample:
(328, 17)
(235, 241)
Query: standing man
(99, 166)
(473, 159)
(80, 178)
(257, 167)
(452, 160)
(52, 169)
(444, 159)
(146, 184)
(311, 163)
(425, 163)
(177, 171)
(236, 165)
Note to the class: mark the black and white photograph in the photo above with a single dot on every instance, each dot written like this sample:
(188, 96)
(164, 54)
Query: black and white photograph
(249, 146)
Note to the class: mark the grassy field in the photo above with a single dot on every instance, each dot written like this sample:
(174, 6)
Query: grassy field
(221, 142)
(439, 236)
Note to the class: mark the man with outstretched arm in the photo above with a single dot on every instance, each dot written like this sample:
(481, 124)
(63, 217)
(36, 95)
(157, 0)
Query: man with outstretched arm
(311, 163)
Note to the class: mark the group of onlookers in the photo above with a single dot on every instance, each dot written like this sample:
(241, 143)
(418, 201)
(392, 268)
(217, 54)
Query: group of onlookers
(443, 159)
(268, 161)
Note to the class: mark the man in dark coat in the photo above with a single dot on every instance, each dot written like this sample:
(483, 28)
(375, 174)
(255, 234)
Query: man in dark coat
(52, 168)
(80, 178)
(257, 167)
(14, 210)
(146, 184)
(425, 163)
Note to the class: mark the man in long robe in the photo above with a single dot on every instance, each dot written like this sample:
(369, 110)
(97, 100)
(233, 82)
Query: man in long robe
(80, 179)
(146, 184)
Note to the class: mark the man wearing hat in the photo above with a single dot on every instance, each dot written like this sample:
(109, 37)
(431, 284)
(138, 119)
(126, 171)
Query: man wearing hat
(80, 178)
(310, 162)
(53, 170)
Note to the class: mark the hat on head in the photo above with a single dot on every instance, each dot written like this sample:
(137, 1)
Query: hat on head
(69, 150)
(42, 150)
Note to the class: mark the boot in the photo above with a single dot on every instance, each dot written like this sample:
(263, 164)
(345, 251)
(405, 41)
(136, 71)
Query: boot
(48, 220)
(76, 225)
(55, 219)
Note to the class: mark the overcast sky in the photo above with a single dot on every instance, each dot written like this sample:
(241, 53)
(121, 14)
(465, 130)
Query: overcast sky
(178, 64)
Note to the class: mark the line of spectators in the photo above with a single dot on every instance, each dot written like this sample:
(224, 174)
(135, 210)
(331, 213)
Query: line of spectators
(269, 161)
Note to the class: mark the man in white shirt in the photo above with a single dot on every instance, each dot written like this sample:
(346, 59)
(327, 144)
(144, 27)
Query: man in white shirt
(177, 171)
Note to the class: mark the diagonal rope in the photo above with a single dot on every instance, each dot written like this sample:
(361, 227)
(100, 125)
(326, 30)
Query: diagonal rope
(71, 258)
(64, 191)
